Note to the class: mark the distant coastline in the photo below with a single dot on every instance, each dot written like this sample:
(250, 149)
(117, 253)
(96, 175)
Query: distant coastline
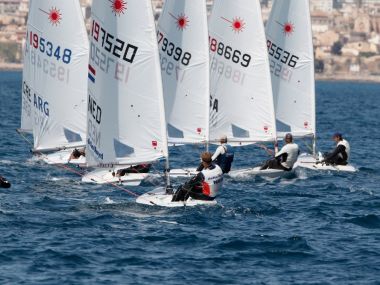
(318, 76)
(348, 77)
(10, 66)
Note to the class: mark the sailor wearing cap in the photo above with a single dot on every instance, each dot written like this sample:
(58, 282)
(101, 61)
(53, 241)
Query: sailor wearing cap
(205, 185)
(341, 154)
(286, 157)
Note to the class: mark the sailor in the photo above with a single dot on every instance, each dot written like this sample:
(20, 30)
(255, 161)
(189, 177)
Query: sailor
(141, 168)
(341, 154)
(4, 183)
(77, 153)
(286, 157)
(223, 156)
(205, 185)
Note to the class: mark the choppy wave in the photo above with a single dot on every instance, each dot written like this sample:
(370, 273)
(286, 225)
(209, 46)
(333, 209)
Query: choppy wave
(311, 228)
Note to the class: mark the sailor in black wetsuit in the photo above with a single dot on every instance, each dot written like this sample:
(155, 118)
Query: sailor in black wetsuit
(141, 168)
(4, 183)
(205, 185)
(341, 154)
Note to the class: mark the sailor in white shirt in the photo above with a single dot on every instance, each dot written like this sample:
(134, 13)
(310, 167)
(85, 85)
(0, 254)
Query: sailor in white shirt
(286, 157)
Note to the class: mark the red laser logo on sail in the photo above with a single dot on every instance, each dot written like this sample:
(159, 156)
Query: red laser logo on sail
(54, 15)
(288, 28)
(237, 24)
(182, 21)
(118, 7)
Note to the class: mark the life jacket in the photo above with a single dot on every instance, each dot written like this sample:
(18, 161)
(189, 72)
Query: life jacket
(345, 143)
(225, 160)
(212, 180)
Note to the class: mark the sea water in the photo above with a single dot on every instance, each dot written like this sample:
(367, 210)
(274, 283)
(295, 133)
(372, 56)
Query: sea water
(311, 228)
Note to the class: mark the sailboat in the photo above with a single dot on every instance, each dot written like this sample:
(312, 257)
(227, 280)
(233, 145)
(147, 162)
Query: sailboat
(241, 93)
(138, 109)
(182, 37)
(291, 59)
(126, 117)
(54, 79)
(241, 101)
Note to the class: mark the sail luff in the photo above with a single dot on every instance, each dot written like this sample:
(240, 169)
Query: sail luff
(26, 102)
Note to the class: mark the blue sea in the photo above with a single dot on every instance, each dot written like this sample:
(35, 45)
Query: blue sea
(312, 228)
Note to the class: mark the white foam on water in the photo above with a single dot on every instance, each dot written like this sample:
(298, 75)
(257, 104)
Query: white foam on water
(56, 179)
(360, 189)
(108, 201)
(4, 161)
(168, 222)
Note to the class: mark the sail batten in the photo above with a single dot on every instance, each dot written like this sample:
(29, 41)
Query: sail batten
(291, 57)
(241, 95)
(126, 121)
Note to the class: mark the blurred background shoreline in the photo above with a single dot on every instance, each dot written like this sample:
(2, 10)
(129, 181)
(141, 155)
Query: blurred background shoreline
(346, 36)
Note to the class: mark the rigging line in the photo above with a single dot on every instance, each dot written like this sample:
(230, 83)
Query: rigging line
(77, 172)
(307, 146)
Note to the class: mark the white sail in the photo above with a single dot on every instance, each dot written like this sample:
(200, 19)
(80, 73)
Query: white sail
(183, 45)
(26, 94)
(241, 94)
(290, 47)
(56, 58)
(126, 117)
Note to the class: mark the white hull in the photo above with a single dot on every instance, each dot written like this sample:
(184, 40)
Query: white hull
(183, 172)
(309, 162)
(255, 171)
(62, 157)
(158, 197)
(104, 176)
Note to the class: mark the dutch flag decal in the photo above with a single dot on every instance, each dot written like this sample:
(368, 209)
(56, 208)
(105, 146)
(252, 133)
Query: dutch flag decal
(91, 73)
